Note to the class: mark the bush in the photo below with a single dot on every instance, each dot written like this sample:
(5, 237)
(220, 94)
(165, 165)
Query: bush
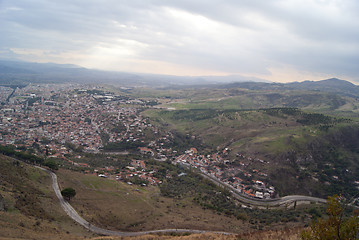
(335, 226)
(51, 164)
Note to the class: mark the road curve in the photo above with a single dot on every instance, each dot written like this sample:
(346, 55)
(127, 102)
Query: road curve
(263, 202)
(71, 212)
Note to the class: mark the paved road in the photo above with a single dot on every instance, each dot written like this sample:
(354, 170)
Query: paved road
(263, 202)
(273, 202)
(71, 212)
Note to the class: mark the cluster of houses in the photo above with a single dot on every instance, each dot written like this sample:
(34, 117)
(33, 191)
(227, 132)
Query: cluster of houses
(215, 166)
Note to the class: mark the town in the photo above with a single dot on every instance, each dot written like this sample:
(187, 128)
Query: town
(64, 120)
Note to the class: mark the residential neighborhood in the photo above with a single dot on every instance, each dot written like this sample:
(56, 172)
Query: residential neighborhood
(217, 167)
(48, 117)
(61, 121)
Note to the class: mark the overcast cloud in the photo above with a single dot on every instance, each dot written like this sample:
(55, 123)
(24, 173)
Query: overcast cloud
(279, 40)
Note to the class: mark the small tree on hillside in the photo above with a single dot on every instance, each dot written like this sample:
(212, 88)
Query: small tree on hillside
(335, 227)
(68, 193)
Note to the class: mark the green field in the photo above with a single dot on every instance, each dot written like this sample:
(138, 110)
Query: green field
(236, 98)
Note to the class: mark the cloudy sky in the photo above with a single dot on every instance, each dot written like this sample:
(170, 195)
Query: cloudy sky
(278, 40)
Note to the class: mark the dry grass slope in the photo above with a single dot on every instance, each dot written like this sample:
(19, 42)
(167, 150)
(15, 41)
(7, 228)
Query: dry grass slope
(32, 210)
(105, 202)
(288, 234)
(119, 206)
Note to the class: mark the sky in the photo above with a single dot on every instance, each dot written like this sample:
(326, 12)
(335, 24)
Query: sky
(276, 40)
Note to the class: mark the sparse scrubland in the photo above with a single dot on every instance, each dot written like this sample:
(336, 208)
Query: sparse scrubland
(287, 234)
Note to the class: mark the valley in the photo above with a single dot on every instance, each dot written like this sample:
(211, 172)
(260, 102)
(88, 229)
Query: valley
(150, 158)
(179, 120)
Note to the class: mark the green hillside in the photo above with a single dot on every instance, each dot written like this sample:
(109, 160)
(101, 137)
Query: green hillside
(300, 128)
(297, 143)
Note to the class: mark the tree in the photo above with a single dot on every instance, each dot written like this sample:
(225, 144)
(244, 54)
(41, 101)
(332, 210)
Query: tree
(335, 226)
(51, 164)
(68, 193)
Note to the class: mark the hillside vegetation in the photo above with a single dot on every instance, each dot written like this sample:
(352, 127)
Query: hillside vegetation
(31, 209)
(119, 206)
(307, 136)
(288, 234)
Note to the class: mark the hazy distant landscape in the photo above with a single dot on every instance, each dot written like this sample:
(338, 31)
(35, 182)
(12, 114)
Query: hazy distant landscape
(15, 72)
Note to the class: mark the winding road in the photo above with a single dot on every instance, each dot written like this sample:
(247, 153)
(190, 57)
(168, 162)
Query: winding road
(71, 212)
(273, 202)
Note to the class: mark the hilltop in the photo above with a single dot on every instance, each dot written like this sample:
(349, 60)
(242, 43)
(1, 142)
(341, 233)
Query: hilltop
(332, 85)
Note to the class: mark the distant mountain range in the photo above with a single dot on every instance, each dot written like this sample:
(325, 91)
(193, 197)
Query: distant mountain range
(332, 85)
(14, 73)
